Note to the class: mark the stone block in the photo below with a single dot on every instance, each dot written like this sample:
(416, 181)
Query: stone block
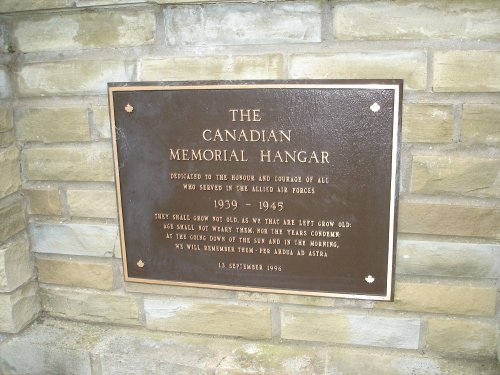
(5, 119)
(43, 201)
(466, 71)
(179, 291)
(444, 298)
(12, 219)
(72, 272)
(427, 123)
(210, 317)
(77, 77)
(263, 358)
(354, 329)
(456, 175)
(51, 348)
(450, 220)
(75, 239)
(92, 203)
(360, 362)
(286, 299)
(18, 6)
(101, 121)
(7, 138)
(5, 86)
(48, 346)
(462, 336)
(91, 306)
(69, 163)
(213, 68)
(481, 124)
(449, 259)
(85, 29)
(117, 248)
(415, 20)
(10, 173)
(52, 124)
(243, 24)
(19, 308)
(16, 267)
(410, 66)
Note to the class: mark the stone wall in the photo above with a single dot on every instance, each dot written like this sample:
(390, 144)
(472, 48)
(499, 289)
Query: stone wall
(57, 194)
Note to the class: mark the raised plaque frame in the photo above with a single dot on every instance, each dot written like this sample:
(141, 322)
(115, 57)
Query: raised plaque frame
(391, 181)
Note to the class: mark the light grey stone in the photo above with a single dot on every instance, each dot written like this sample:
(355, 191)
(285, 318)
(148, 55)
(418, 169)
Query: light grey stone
(5, 87)
(452, 259)
(241, 24)
(91, 306)
(16, 267)
(10, 180)
(75, 239)
(51, 348)
(71, 77)
(343, 328)
(208, 317)
(360, 362)
(19, 308)
(85, 30)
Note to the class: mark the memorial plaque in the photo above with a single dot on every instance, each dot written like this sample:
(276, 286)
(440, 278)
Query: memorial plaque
(284, 187)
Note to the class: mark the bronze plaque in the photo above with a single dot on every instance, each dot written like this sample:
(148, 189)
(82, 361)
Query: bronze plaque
(284, 187)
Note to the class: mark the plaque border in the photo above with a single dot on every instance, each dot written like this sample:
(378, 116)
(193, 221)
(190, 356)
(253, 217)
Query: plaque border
(369, 84)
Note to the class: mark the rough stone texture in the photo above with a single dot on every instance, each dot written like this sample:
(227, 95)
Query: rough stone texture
(90, 306)
(71, 272)
(427, 123)
(5, 86)
(16, 267)
(416, 20)
(443, 298)
(51, 348)
(456, 175)
(181, 291)
(92, 203)
(66, 163)
(5, 119)
(213, 68)
(72, 77)
(355, 362)
(341, 328)
(451, 220)
(48, 347)
(426, 258)
(19, 308)
(117, 248)
(236, 24)
(10, 180)
(410, 66)
(466, 71)
(7, 138)
(481, 124)
(101, 121)
(180, 315)
(52, 124)
(17, 6)
(83, 30)
(286, 298)
(43, 201)
(462, 336)
(12, 219)
(75, 239)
